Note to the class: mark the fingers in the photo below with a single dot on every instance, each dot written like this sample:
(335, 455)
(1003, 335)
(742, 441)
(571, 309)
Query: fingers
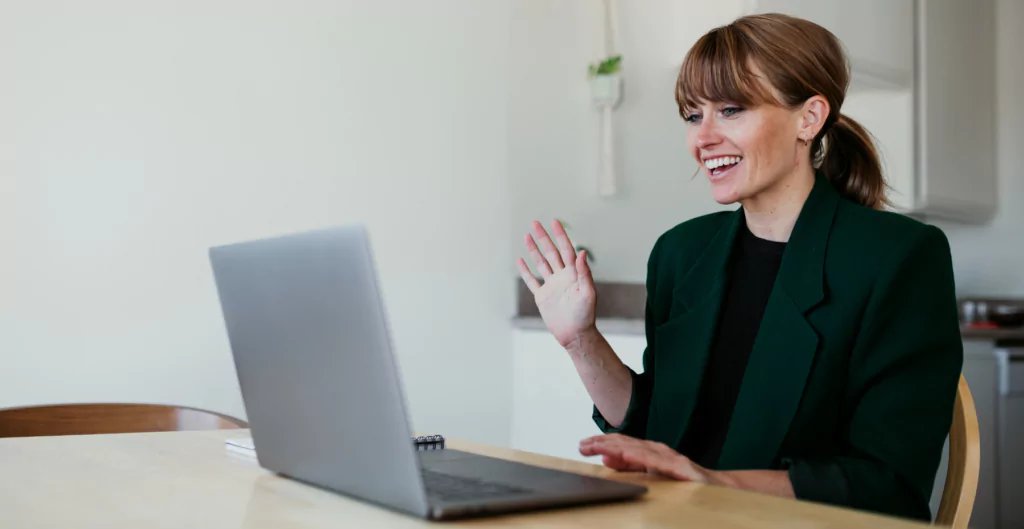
(547, 247)
(611, 444)
(625, 453)
(565, 248)
(583, 270)
(666, 463)
(524, 272)
(542, 263)
(617, 463)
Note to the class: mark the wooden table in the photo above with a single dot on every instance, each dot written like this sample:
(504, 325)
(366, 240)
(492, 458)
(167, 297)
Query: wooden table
(189, 479)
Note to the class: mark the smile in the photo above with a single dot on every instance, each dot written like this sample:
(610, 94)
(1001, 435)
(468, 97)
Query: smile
(717, 167)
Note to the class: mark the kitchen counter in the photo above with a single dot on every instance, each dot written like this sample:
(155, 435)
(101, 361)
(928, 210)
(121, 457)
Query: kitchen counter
(1014, 335)
(635, 326)
(620, 310)
(625, 326)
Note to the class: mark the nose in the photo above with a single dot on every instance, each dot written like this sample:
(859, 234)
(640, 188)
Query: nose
(707, 135)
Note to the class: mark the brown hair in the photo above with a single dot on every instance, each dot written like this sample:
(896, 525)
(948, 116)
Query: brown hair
(799, 59)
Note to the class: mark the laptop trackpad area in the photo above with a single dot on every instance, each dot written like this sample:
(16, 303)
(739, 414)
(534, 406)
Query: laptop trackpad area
(455, 462)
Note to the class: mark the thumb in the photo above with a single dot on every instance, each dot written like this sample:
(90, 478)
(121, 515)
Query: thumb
(583, 270)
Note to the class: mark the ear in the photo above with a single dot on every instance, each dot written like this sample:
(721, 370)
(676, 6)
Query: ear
(813, 114)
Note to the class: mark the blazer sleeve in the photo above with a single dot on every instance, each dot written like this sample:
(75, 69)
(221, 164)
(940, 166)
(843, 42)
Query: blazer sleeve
(635, 423)
(904, 372)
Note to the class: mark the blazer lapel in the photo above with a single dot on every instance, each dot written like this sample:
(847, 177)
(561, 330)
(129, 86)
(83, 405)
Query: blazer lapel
(684, 340)
(786, 343)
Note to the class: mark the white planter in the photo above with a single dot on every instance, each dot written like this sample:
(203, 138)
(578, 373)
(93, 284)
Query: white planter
(606, 90)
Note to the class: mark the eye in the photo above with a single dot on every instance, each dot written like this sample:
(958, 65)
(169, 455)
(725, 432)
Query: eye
(731, 111)
(691, 118)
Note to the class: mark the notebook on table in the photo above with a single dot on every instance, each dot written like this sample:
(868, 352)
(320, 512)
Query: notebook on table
(245, 445)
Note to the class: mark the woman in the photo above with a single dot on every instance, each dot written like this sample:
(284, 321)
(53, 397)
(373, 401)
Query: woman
(805, 345)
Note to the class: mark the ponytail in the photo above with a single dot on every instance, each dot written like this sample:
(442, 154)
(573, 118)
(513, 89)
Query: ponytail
(846, 155)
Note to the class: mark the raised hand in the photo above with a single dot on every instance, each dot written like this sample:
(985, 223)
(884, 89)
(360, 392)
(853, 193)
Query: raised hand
(566, 299)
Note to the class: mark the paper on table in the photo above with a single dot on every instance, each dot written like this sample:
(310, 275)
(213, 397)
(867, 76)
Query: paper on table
(242, 445)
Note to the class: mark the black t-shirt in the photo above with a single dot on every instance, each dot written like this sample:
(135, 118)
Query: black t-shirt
(752, 269)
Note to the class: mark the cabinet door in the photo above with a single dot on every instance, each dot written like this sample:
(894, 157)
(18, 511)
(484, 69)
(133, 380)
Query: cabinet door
(551, 409)
(957, 109)
(878, 34)
(889, 116)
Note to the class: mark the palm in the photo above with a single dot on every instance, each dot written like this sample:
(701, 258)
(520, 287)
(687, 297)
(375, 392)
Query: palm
(566, 300)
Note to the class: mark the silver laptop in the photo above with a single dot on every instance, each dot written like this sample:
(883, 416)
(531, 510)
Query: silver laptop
(312, 350)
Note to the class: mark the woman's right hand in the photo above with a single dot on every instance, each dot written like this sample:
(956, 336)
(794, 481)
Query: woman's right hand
(566, 299)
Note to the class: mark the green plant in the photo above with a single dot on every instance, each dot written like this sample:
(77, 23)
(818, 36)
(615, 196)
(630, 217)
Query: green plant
(605, 67)
(590, 255)
(579, 247)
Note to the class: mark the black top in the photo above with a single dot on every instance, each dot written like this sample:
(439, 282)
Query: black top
(752, 269)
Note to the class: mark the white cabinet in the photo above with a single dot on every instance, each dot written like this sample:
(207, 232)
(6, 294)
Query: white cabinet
(877, 34)
(551, 410)
(923, 83)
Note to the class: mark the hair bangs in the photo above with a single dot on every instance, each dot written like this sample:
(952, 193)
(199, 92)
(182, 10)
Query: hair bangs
(719, 69)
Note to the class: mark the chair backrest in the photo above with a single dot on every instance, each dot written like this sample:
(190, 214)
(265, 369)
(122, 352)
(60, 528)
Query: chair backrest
(964, 462)
(80, 419)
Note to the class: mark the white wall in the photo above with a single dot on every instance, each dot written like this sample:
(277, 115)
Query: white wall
(553, 131)
(989, 260)
(553, 137)
(137, 134)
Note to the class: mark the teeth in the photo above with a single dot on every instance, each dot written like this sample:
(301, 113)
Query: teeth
(715, 163)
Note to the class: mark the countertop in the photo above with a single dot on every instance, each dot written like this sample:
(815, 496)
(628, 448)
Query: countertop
(635, 326)
(627, 326)
(620, 310)
(1015, 335)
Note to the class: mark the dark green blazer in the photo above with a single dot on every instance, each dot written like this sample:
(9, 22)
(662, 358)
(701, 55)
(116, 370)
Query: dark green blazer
(852, 378)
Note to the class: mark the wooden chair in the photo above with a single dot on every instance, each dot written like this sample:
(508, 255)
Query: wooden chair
(80, 419)
(964, 463)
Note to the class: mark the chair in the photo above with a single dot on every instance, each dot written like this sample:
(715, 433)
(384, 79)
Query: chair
(964, 462)
(80, 419)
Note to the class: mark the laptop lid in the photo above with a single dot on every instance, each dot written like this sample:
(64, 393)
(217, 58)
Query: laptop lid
(310, 342)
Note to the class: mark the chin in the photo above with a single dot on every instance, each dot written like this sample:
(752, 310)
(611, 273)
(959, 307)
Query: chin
(725, 193)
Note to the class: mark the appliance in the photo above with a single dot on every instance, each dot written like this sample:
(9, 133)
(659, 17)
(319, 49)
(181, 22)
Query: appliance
(1010, 437)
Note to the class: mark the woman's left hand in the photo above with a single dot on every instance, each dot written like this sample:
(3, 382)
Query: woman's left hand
(626, 453)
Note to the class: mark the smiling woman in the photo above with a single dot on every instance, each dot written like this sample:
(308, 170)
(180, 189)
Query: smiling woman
(806, 344)
(747, 89)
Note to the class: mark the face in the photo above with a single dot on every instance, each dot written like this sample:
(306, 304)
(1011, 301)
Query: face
(745, 152)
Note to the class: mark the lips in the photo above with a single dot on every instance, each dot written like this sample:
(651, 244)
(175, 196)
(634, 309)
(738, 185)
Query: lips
(720, 165)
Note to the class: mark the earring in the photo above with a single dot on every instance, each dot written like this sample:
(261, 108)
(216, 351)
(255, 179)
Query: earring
(806, 141)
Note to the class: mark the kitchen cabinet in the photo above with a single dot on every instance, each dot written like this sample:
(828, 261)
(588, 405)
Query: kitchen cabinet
(877, 35)
(551, 410)
(923, 83)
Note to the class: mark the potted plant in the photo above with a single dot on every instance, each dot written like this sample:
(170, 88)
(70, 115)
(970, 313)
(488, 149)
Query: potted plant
(578, 247)
(606, 82)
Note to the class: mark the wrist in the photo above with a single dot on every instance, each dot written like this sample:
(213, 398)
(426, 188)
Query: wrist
(583, 340)
(719, 478)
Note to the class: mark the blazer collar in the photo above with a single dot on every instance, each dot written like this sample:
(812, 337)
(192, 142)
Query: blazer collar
(803, 266)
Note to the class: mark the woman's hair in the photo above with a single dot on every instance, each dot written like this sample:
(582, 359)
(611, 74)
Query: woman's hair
(743, 62)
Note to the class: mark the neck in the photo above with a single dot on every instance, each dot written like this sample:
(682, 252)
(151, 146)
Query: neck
(772, 213)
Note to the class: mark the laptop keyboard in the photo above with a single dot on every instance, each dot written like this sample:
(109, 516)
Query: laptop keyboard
(447, 487)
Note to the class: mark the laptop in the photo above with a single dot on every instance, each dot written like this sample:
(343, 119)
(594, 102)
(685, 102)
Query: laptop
(312, 350)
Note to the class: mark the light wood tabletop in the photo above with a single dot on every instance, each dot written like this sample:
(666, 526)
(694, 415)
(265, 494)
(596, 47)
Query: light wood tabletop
(189, 479)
